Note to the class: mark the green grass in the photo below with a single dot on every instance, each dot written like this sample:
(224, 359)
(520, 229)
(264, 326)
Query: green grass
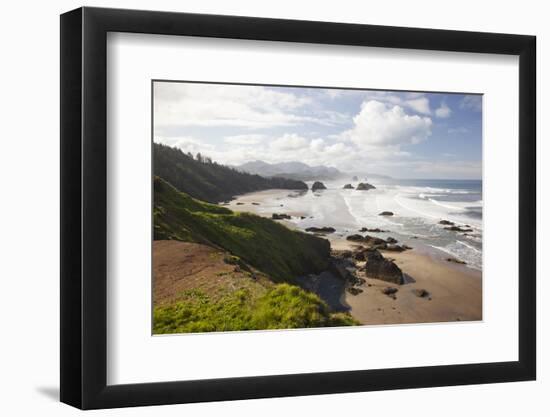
(283, 306)
(262, 243)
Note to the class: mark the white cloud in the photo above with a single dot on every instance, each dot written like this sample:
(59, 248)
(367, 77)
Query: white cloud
(378, 124)
(317, 145)
(344, 156)
(333, 118)
(376, 138)
(288, 147)
(443, 111)
(188, 104)
(417, 102)
(289, 142)
(471, 102)
(411, 95)
(185, 143)
(420, 105)
(334, 93)
(251, 139)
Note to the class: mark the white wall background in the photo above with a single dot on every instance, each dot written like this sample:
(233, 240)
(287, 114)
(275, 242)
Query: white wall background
(29, 172)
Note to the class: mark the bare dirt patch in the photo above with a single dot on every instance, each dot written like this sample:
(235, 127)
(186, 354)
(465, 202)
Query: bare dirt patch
(179, 267)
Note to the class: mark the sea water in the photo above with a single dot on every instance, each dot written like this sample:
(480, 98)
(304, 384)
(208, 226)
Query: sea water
(418, 207)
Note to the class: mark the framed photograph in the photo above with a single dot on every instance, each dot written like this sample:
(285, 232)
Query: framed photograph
(256, 208)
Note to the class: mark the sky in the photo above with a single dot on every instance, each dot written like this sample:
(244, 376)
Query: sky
(400, 134)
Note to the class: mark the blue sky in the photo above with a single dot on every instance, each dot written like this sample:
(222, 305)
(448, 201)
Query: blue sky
(401, 134)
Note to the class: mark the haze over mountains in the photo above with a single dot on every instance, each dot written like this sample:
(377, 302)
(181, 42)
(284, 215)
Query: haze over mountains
(300, 171)
(291, 170)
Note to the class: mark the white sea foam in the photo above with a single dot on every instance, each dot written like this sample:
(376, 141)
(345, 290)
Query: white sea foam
(466, 253)
(417, 213)
(447, 206)
(460, 242)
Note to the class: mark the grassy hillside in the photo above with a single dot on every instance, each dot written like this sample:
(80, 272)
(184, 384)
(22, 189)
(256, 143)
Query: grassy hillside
(281, 307)
(209, 181)
(268, 246)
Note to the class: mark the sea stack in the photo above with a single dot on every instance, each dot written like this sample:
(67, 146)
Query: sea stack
(348, 187)
(364, 186)
(317, 185)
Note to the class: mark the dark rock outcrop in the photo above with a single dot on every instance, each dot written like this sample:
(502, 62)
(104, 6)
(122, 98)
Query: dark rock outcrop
(364, 186)
(373, 230)
(456, 261)
(318, 185)
(355, 238)
(372, 241)
(391, 240)
(348, 187)
(381, 268)
(322, 230)
(458, 229)
(343, 254)
(390, 292)
(386, 213)
(421, 292)
(342, 268)
(354, 290)
(280, 216)
(345, 270)
(360, 255)
(446, 223)
(395, 248)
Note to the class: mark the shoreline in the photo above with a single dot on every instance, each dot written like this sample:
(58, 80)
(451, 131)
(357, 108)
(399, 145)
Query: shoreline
(454, 290)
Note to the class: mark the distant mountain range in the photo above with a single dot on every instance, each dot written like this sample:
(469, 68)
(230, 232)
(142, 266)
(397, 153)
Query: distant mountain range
(302, 172)
(291, 170)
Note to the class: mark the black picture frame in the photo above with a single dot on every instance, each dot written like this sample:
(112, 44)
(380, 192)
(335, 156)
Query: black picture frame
(84, 207)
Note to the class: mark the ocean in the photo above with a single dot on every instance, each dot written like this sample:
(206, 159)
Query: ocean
(418, 206)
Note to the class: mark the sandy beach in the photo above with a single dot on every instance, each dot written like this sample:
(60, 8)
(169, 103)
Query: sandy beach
(264, 203)
(454, 291)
